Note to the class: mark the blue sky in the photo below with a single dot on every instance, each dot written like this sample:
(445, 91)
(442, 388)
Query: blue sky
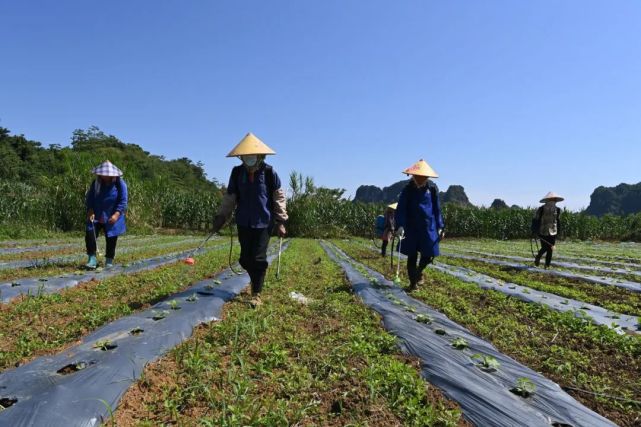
(509, 99)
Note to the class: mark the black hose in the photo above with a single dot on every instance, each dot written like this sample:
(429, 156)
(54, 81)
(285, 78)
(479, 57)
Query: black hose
(231, 248)
(534, 242)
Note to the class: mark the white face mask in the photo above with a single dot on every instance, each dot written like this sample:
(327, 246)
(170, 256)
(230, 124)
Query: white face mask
(250, 160)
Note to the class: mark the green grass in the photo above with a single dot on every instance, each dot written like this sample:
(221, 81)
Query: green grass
(46, 324)
(325, 363)
(611, 297)
(566, 349)
(140, 253)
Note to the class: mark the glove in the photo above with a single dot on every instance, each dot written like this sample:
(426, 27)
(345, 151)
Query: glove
(280, 230)
(400, 232)
(441, 233)
(219, 221)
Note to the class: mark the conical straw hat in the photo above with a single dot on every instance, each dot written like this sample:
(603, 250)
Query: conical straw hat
(552, 196)
(250, 145)
(393, 206)
(421, 168)
(106, 168)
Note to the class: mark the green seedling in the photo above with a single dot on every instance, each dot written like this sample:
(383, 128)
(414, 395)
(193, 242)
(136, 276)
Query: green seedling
(217, 282)
(397, 280)
(104, 345)
(486, 363)
(565, 302)
(423, 318)
(159, 315)
(209, 286)
(525, 387)
(460, 343)
(137, 331)
(192, 298)
(173, 304)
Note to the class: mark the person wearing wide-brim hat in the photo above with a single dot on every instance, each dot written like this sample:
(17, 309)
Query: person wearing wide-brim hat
(388, 226)
(546, 225)
(255, 191)
(106, 203)
(419, 220)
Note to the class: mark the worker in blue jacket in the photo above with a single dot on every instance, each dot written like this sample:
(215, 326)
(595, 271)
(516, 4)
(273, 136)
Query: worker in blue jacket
(419, 220)
(256, 197)
(106, 203)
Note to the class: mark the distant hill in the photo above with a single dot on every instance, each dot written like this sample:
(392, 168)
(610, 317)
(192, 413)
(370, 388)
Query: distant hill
(620, 200)
(372, 194)
(499, 204)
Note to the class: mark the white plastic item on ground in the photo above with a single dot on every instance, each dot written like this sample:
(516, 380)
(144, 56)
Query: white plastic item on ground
(484, 397)
(300, 298)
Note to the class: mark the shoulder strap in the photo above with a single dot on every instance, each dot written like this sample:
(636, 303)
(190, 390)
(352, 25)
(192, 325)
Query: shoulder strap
(270, 180)
(119, 190)
(433, 193)
(271, 183)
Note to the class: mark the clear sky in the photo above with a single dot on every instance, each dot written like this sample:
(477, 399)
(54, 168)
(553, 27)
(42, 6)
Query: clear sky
(509, 98)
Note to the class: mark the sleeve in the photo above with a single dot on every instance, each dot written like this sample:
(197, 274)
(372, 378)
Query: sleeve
(280, 201)
(123, 199)
(436, 209)
(401, 210)
(90, 196)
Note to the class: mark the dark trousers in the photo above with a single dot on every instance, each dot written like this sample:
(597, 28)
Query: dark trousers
(90, 241)
(384, 247)
(253, 254)
(546, 248)
(414, 272)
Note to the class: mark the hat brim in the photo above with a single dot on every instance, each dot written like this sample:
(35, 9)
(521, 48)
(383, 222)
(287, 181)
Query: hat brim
(552, 199)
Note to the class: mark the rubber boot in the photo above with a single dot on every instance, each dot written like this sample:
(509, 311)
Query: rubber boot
(537, 260)
(412, 276)
(109, 263)
(258, 279)
(92, 262)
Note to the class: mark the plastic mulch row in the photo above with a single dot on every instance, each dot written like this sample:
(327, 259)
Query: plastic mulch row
(80, 386)
(481, 387)
(48, 285)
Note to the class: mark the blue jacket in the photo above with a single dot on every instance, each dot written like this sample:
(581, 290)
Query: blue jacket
(109, 200)
(253, 196)
(419, 213)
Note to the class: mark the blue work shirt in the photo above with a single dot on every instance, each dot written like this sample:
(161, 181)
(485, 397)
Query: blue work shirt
(110, 199)
(253, 201)
(419, 213)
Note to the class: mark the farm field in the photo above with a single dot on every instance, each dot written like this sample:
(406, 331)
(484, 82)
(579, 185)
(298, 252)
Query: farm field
(336, 342)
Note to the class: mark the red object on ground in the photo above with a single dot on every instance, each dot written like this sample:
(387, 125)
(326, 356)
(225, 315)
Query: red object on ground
(190, 261)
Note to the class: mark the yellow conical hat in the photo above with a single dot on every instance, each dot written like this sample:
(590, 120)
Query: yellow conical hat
(250, 145)
(393, 206)
(421, 168)
(552, 196)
